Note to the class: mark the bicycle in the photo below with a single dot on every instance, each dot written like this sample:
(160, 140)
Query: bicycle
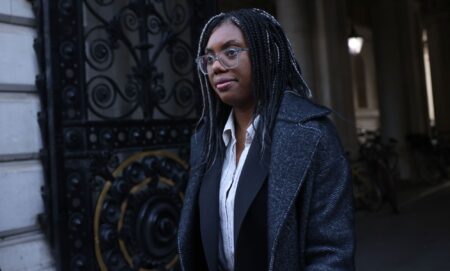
(366, 192)
(375, 173)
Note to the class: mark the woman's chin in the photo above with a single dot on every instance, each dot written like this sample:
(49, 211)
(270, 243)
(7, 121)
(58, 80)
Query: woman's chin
(237, 103)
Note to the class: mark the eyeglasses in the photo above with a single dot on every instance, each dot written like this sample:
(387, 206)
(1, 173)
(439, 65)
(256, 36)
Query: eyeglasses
(228, 58)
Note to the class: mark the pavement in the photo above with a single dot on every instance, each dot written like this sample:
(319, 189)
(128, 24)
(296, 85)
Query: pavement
(416, 239)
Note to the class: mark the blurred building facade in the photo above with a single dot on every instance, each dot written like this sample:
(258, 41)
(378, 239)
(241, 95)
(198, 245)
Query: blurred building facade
(399, 83)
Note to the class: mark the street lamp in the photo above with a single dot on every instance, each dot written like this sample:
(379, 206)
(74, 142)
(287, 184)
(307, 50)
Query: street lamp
(354, 42)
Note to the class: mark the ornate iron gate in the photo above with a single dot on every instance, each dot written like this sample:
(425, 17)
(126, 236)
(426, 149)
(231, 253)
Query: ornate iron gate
(119, 104)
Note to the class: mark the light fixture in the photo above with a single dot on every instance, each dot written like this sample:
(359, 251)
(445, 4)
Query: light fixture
(354, 42)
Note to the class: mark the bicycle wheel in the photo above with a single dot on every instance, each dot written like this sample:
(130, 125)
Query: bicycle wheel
(367, 193)
(388, 183)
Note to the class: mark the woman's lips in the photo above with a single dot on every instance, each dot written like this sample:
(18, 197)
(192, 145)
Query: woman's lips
(224, 85)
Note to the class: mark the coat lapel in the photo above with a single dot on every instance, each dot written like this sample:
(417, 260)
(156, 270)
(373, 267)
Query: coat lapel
(290, 161)
(251, 180)
(209, 213)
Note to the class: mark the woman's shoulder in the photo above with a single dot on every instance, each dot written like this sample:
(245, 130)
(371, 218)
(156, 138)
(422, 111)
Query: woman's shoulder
(298, 109)
(309, 115)
(304, 112)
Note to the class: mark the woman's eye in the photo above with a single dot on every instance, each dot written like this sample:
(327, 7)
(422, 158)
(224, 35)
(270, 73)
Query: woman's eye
(209, 59)
(231, 52)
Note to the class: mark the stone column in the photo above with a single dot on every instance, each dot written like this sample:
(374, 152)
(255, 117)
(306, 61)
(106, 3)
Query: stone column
(318, 32)
(414, 67)
(296, 18)
(392, 94)
(438, 27)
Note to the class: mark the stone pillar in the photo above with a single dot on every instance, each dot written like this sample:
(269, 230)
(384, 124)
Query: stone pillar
(438, 25)
(392, 94)
(414, 67)
(296, 19)
(318, 32)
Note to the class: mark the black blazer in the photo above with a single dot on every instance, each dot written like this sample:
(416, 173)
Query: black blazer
(250, 212)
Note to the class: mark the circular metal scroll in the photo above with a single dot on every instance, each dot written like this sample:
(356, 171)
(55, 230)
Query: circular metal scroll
(137, 213)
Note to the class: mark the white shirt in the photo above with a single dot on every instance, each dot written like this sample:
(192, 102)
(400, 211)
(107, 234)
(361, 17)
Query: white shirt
(229, 183)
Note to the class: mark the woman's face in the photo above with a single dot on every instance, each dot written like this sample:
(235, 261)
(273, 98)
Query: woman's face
(232, 85)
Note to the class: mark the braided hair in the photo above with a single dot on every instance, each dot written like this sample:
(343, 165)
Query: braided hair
(274, 70)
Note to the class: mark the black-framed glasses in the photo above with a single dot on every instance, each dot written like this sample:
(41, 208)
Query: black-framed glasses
(228, 58)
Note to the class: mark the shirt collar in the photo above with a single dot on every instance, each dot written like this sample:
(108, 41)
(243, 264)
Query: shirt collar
(228, 131)
(229, 135)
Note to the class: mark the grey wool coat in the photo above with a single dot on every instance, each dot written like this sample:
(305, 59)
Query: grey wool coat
(309, 195)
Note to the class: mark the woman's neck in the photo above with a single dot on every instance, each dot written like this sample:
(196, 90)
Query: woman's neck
(242, 118)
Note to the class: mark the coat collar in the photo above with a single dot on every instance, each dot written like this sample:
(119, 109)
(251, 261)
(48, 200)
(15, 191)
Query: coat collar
(297, 109)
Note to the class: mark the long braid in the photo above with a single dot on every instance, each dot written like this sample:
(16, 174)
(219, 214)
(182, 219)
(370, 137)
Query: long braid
(274, 70)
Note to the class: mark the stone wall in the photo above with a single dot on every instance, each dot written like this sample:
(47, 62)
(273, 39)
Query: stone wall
(22, 244)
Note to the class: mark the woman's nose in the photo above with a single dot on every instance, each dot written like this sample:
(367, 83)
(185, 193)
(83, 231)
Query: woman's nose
(217, 66)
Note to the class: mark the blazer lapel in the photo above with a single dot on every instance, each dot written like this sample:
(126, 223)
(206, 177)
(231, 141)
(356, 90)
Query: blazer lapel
(251, 180)
(209, 213)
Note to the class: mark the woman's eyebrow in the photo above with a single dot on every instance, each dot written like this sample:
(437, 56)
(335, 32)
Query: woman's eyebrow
(231, 43)
(227, 44)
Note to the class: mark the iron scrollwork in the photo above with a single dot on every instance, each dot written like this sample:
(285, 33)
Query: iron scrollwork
(148, 38)
(118, 96)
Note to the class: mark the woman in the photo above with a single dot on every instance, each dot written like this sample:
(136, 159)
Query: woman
(269, 186)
